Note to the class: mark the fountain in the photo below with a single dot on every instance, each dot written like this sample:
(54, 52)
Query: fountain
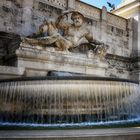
(81, 96)
(68, 101)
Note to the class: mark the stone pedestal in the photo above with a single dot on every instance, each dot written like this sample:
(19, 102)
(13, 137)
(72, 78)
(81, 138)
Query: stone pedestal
(7, 72)
(38, 61)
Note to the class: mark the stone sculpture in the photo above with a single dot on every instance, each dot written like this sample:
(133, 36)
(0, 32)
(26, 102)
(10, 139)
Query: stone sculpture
(66, 36)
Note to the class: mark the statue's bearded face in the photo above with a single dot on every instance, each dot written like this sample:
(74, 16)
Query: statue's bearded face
(77, 20)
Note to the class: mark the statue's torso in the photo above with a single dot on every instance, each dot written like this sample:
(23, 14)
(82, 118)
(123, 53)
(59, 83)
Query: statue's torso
(75, 34)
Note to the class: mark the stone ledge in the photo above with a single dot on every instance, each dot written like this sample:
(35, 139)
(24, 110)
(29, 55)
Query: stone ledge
(11, 72)
(59, 57)
(84, 134)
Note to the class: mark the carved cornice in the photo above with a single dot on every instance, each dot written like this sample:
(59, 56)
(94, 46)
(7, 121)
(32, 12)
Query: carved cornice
(121, 7)
(118, 58)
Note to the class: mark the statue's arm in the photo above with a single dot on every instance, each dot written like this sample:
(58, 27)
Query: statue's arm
(60, 23)
(42, 29)
(96, 42)
(90, 39)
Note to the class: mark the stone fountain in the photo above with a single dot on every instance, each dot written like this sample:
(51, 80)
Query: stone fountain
(68, 101)
(64, 81)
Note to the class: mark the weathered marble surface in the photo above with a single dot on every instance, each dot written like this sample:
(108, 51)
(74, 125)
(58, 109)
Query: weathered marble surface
(51, 60)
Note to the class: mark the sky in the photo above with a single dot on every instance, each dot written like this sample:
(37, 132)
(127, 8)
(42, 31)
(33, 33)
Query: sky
(100, 3)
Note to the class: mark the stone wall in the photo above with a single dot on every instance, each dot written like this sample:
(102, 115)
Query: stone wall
(23, 17)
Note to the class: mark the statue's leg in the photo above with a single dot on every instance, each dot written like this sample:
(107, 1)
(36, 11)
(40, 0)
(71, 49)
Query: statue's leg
(41, 41)
(47, 40)
(31, 41)
(66, 44)
(62, 44)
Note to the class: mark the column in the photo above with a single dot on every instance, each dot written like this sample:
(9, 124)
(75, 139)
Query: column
(71, 4)
(27, 18)
(104, 24)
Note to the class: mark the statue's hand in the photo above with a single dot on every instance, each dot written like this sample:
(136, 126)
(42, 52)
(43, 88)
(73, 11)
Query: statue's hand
(67, 12)
(100, 43)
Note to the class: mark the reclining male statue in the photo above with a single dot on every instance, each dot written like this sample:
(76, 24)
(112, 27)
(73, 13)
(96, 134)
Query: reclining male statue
(74, 33)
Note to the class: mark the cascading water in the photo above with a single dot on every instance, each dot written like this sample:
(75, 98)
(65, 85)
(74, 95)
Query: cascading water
(68, 101)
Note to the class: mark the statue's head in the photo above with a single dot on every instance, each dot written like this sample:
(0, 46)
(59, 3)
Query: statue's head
(77, 18)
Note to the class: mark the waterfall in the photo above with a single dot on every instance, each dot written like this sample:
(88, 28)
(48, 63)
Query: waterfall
(68, 101)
